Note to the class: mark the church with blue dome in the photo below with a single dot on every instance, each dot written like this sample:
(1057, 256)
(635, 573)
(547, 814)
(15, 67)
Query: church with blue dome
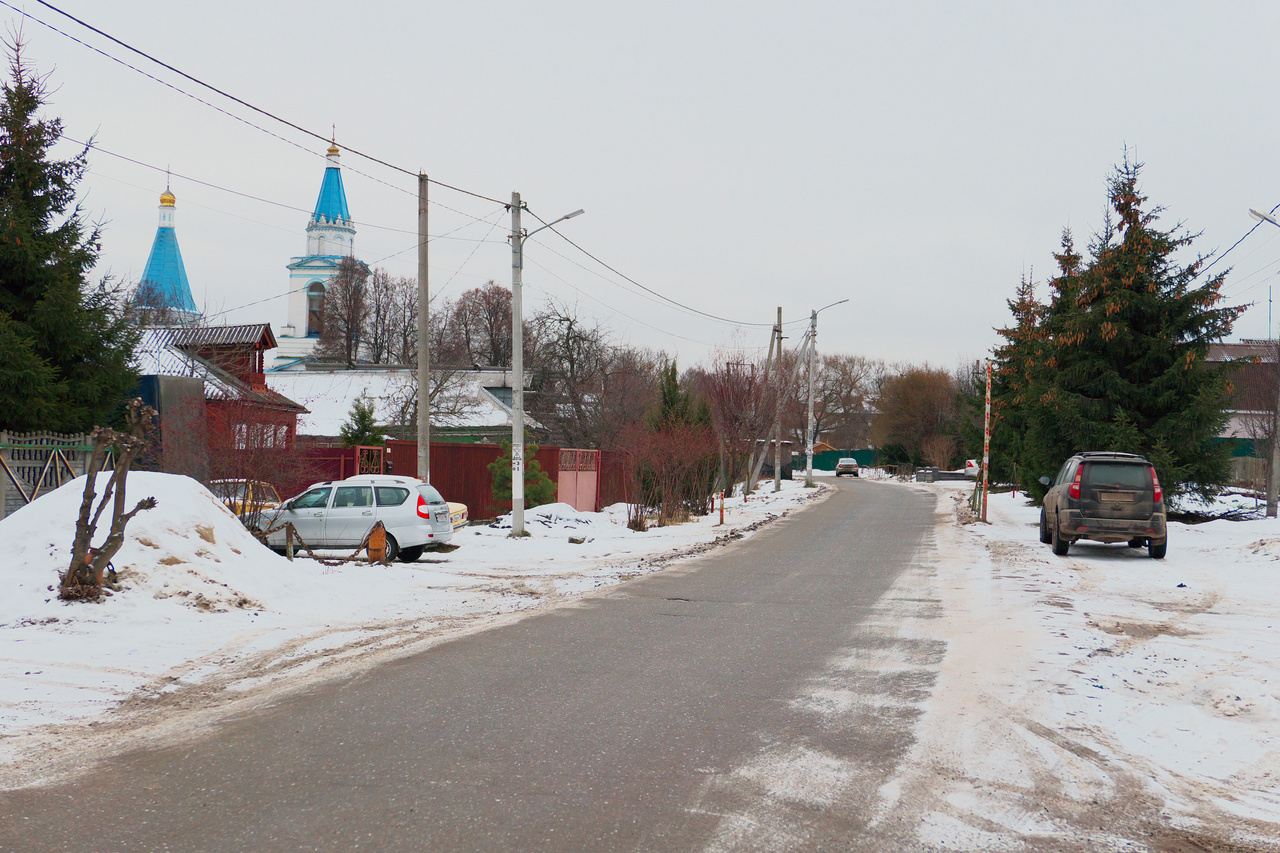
(330, 239)
(164, 296)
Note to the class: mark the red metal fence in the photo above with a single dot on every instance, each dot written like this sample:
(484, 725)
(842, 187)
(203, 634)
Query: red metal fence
(461, 473)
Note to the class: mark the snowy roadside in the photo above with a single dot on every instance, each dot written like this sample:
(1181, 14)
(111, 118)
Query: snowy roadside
(1092, 700)
(210, 623)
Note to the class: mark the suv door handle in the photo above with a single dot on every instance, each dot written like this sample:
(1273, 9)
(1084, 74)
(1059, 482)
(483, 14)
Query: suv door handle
(367, 512)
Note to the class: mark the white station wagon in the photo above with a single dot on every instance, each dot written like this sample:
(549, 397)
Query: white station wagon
(340, 513)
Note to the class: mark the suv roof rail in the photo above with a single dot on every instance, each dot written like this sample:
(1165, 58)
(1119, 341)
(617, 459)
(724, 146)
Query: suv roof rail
(1113, 453)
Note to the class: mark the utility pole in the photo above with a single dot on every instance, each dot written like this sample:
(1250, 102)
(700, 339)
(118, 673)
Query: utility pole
(777, 411)
(424, 341)
(808, 433)
(986, 447)
(1275, 443)
(517, 370)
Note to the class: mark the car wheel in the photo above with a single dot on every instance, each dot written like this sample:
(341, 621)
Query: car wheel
(1060, 545)
(410, 555)
(1044, 529)
(393, 548)
(855, 473)
(1157, 552)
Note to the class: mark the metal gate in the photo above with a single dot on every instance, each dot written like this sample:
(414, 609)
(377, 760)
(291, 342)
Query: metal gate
(579, 481)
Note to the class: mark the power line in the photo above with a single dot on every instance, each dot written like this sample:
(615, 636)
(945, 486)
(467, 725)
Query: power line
(231, 97)
(322, 138)
(650, 290)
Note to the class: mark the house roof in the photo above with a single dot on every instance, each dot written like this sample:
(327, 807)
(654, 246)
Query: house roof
(329, 395)
(1253, 348)
(159, 354)
(257, 335)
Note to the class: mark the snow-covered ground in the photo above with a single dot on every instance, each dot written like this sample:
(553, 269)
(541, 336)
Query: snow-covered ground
(1077, 702)
(1082, 698)
(209, 620)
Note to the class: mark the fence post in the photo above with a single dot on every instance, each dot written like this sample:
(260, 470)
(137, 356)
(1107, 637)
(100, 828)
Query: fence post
(4, 478)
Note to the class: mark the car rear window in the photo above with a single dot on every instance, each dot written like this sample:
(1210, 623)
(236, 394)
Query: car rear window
(1118, 475)
(431, 495)
(391, 495)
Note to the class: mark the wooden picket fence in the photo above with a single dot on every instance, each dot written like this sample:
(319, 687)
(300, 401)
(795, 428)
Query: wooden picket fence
(35, 463)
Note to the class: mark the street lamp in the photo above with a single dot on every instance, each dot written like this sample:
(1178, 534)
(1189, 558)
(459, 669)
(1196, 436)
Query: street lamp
(518, 237)
(1275, 419)
(813, 345)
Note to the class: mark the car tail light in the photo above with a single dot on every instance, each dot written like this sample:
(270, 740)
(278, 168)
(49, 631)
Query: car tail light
(424, 510)
(1155, 483)
(1074, 491)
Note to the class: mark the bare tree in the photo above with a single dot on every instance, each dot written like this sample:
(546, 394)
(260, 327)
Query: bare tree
(346, 308)
(481, 324)
(82, 581)
(915, 405)
(587, 388)
(845, 393)
(742, 410)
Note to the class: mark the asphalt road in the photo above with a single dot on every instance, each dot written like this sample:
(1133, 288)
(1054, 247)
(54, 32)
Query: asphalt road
(597, 726)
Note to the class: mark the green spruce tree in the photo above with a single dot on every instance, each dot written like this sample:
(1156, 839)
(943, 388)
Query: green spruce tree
(362, 430)
(65, 347)
(538, 488)
(1126, 338)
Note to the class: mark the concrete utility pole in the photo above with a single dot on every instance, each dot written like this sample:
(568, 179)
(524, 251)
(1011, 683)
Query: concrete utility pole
(517, 370)
(808, 433)
(424, 352)
(518, 238)
(777, 413)
(1274, 473)
(1275, 447)
(813, 352)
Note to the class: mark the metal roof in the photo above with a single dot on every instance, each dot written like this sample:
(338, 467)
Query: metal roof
(164, 281)
(250, 334)
(331, 206)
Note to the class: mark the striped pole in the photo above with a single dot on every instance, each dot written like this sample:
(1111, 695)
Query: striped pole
(986, 446)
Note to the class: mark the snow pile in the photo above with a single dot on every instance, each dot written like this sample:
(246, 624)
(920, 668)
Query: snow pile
(189, 548)
(557, 516)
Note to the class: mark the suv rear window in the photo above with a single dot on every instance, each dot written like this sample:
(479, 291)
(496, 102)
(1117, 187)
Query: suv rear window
(1118, 475)
(430, 494)
(391, 495)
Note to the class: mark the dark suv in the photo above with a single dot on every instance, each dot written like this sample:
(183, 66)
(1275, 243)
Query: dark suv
(1106, 497)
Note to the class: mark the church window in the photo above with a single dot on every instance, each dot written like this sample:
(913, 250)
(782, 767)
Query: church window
(315, 309)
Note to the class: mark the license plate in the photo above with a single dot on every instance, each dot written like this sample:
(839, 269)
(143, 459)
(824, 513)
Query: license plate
(1116, 497)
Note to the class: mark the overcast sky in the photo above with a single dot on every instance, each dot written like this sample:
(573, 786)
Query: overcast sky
(914, 158)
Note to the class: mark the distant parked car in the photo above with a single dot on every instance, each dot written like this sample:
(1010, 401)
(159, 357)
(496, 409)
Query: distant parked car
(340, 513)
(1105, 497)
(971, 468)
(848, 466)
(459, 515)
(252, 501)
